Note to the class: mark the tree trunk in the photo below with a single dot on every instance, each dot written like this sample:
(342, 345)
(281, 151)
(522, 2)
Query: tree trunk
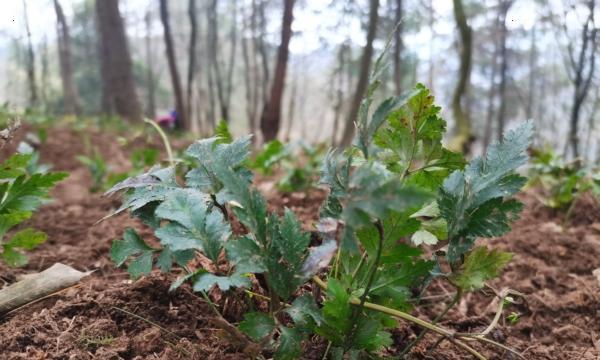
(504, 7)
(363, 79)
(487, 134)
(33, 93)
(462, 138)
(271, 117)
(182, 119)
(151, 101)
(250, 76)
(71, 100)
(117, 77)
(581, 80)
(192, 56)
(339, 92)
(259, 11)
(398, 48)
(532, 73)
(44, 75)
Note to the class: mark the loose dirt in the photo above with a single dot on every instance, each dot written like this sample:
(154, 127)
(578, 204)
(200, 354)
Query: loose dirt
(108, 316)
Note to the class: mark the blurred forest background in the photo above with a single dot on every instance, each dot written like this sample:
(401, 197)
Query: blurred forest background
(297, 69)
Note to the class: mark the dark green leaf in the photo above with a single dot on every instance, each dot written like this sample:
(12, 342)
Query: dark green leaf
(257, 325)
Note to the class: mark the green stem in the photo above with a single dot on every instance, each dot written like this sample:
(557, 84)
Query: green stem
(164, 139)
(410, 318)
(363, 298)
(358, 267)
(424, 332)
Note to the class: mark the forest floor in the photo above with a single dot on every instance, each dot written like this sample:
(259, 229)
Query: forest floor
(107, 316)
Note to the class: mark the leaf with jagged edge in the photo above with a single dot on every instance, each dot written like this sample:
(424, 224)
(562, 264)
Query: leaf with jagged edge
(205, 282)
(257, 325)
(193, 225)
(246, 255)
(222, 132)
(304, 311)
(290, 344)
(410, 143)
(25, 239)
(210, 153)
(272, 153)
(480, 265)
(132, 247)
(475, 202)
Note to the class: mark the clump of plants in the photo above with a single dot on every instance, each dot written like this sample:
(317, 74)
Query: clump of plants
(24, 187)
(299, 163)
(560, 182)
(402, 211)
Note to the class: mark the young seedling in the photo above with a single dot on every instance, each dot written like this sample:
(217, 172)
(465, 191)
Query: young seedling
(395, 196)
(22, 192)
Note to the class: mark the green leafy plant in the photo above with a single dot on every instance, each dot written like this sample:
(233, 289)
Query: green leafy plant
(394, 194)
(300, 164)
(561, 183)
(22, 192)
(97, 167)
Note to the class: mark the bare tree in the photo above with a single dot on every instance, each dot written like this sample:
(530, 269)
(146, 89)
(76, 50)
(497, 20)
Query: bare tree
(504, 6)
(271, 117)
(151, 87)
(182, 118)
(462, 138)
(117, 78)
(251, 81)
(363, 78)
(32, 86)
(491, 95)
(581, 72)
(72, 103)
(192, 55)
(398, 47)
(223, 79)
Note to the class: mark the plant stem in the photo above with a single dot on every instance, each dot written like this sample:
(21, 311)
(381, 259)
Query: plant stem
(424, 332)
(358, 267)
(164, 139)
(410, 318)
(220, 206)
(363, 298)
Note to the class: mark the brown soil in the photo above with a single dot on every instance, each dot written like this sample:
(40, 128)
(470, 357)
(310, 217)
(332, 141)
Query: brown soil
(107, 316)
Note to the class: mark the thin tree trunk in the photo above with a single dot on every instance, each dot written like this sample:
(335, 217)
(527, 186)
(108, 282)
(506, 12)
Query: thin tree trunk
(271, 117)
(182, 118)
(44, 75)
(151, 101)
(71, 100)
(118, 87)
(487, 134)
(363, 79)
(462, 139)
(232, 57)
(532, 73)
(582, 81)
(291, 109)
(250, 78)
(192, 55)
(262, 48)
(33, 92)
(398, 47)
(339, 101)
(504, 7)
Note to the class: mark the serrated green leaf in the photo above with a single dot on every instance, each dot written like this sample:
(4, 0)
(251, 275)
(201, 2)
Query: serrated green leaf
(193, 225)
(257, 325)
(305, 311)
(222, 133)
(14, 166)
(480, 265)
(205, 282)
(140, 265)
(12, 257)
(131, 245)
(246, 255)
(26, 239)
(290, 344)
(12, 218)
(473, 201)
(272, 153)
